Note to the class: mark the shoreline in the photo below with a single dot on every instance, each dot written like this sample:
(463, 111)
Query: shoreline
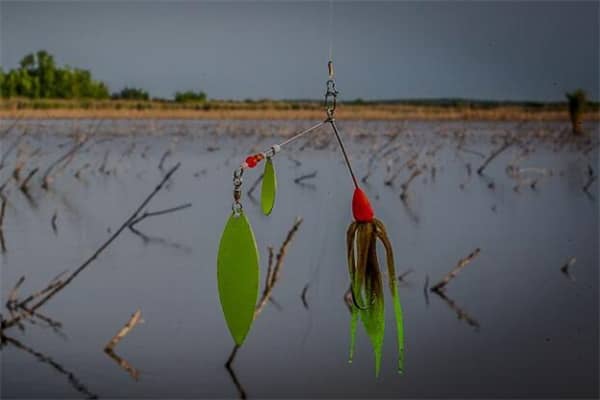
(387, 113)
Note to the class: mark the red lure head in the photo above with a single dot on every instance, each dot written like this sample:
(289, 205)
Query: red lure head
(361, 207)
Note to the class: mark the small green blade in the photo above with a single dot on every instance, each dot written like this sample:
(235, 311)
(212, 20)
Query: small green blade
(238, 275)
(269, 188)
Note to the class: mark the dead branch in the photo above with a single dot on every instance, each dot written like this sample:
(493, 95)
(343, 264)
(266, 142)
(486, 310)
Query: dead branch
(53, 223)
(23, 187)
(21, 160)
(469, 151)
(147, 214)
(404, 275)
(410, 163)
(103, 169)
(166, 154)
(11, 148)
(13, 294)
(304, 177)
(405, 185)
(492, 156)
(147, 239)
(7, 130)
(62, 284)
(589, 183)
(2, 212)
(303, 296)
(276, 270)
(124, 331)
(374, 156)
(461, 264)
(56, 325)
(47, 178)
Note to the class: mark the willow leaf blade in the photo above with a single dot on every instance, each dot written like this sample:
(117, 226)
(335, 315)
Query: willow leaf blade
(238, 275)
(269, 188)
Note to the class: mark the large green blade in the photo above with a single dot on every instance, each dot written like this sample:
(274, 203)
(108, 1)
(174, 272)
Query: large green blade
(269, 188)
(237, 275)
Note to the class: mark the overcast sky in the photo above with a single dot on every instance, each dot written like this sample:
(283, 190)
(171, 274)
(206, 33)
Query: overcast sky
(524, 50)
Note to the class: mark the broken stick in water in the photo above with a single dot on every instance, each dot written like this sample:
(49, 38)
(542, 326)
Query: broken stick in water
(124, 331)
(494, 154)
(23, 187)
(311, 175)
(461, 264)
(405, 185)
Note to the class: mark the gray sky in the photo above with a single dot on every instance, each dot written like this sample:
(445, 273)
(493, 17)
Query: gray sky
(525, 50)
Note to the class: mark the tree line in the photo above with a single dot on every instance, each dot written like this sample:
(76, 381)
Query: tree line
(38, 77)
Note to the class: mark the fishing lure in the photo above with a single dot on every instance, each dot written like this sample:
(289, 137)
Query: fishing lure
(238, 258)
(366, 283)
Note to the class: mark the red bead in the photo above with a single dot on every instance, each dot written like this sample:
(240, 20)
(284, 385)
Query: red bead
(361, 207)
(251, 161)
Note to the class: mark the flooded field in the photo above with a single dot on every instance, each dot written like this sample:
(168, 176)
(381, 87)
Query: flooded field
(520, 320)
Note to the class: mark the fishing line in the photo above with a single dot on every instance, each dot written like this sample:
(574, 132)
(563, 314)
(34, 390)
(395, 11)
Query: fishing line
(330, 30)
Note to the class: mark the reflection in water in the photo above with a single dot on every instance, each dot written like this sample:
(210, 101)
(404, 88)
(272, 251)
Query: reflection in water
(72, 379)
(135, 319)
(460, 313)
(274, 266)
(123, 363)
(571, 232)
(366, 286)
(440, 288)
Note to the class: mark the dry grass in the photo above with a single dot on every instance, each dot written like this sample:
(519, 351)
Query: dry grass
(275, 110)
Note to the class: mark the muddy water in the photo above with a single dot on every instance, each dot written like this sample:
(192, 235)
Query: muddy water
(514, 325)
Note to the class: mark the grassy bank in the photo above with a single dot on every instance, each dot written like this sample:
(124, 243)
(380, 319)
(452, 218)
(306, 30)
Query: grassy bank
(267, 109)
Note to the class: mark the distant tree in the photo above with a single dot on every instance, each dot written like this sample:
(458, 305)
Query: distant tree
(38, 76)
(577, 104)
(190, 96)
(9, 86)
(131, 93)
(47, 72)
(28, 62)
